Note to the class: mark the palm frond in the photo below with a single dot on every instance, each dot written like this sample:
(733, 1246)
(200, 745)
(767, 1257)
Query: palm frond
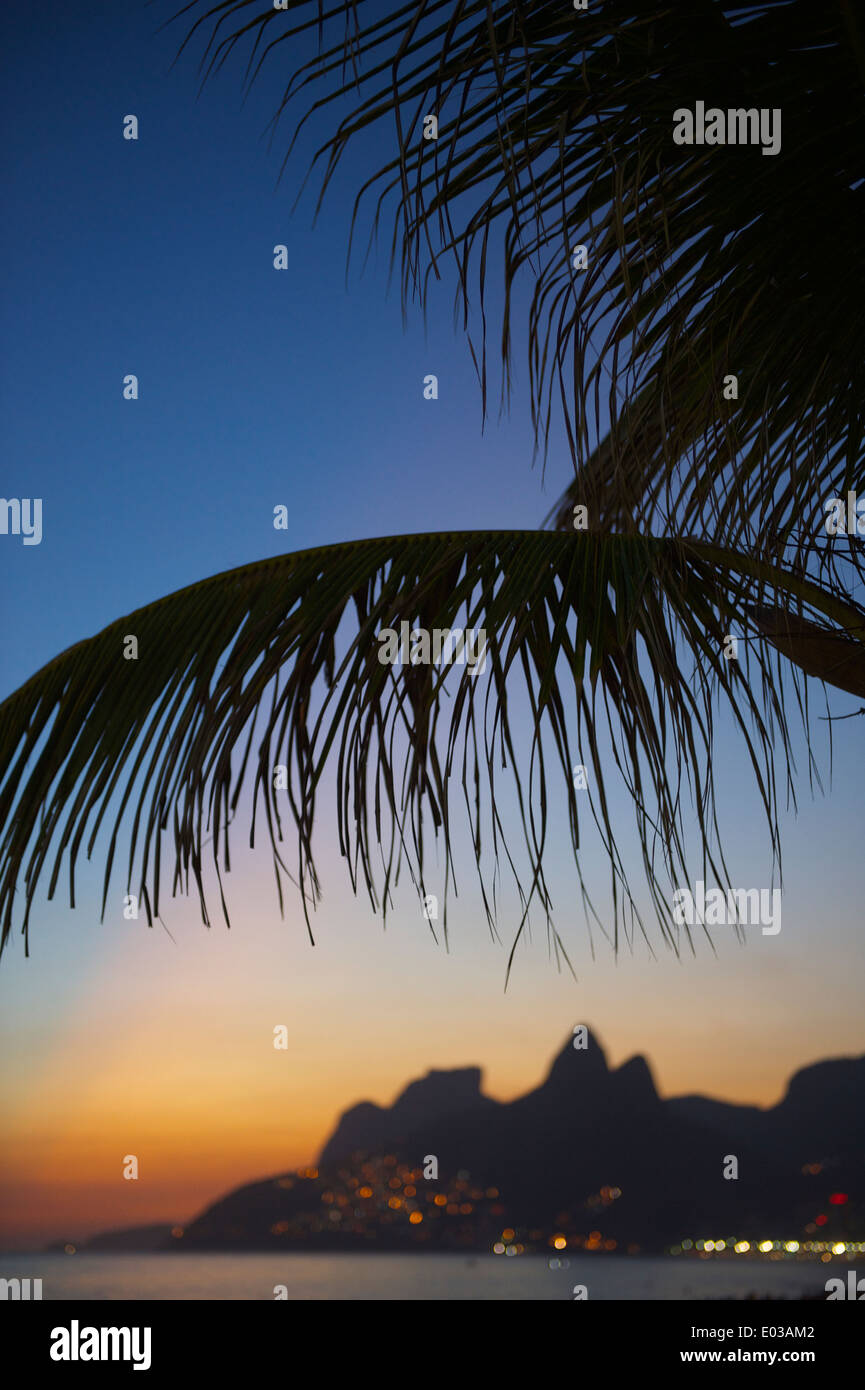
(242, 673)
(555, 129)
(833, 657)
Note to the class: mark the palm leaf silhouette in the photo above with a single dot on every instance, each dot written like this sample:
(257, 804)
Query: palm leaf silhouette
(593, 624)
(555, 129)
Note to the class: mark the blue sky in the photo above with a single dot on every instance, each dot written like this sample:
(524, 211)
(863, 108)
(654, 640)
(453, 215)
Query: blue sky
(257, 387)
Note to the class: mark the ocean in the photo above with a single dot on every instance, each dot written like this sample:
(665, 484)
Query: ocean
(432, 1276)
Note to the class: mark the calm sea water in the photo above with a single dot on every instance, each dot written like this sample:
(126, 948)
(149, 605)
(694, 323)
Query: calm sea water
(404, 1277)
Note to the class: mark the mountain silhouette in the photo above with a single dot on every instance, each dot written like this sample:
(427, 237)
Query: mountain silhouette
(590, 1149)
(431, 1101)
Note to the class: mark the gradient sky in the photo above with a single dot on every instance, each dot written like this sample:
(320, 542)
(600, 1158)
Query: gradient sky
(260, 388)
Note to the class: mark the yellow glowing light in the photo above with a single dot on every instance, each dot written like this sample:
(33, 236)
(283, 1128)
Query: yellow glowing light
(743, 1247)
(708, 1245)
(416, 1218)
(765, 1246)
(839, 1248)
(498, 1248)
(560, 1243)
(792, 1246)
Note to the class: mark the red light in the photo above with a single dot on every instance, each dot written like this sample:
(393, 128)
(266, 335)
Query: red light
(838, 1199)
(820, 1220)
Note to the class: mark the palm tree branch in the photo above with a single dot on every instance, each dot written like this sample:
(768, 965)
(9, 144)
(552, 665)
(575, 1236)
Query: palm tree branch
(277, 664)
(556, 129)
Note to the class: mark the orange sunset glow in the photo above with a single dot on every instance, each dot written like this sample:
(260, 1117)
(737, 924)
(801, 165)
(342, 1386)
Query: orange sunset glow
(129, 1042)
